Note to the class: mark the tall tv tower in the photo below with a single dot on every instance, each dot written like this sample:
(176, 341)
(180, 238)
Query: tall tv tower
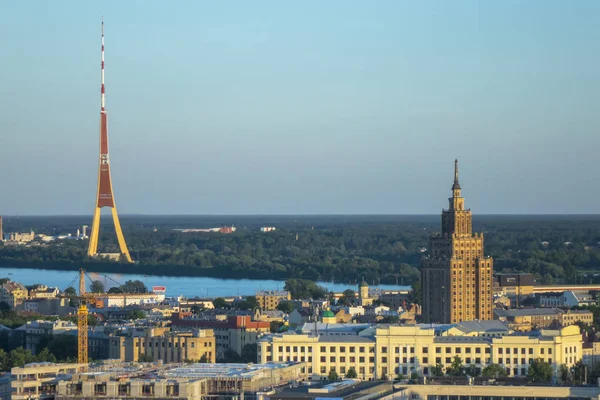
(105, 197)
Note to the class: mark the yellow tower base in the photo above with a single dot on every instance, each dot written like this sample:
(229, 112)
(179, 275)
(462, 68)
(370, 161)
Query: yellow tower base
(93, 245)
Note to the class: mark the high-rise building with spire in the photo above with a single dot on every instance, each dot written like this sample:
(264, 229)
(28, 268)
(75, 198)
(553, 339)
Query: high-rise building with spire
(456, 276)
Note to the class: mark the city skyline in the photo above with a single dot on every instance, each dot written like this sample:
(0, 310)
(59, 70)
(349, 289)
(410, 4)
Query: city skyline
(312, 109)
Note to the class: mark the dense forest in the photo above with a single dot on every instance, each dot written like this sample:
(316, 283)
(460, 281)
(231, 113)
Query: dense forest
(382, 249)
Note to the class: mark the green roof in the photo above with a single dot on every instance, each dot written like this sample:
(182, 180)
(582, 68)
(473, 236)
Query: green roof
(364, 284)
(328, 314)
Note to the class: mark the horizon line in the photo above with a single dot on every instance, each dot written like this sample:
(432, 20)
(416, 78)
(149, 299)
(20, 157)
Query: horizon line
(297, 215)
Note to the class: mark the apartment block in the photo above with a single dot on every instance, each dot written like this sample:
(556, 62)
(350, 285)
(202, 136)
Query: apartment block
(167, 348)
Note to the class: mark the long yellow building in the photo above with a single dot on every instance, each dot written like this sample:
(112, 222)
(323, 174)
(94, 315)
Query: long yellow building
(385, 351)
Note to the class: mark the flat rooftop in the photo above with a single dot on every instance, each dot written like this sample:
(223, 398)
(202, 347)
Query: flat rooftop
(229, 370)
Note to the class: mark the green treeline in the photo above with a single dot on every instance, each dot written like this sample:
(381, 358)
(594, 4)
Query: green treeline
(382, 249)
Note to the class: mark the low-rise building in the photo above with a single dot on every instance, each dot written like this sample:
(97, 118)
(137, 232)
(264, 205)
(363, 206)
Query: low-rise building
(382, 351)
(270, 316)
(13, 293)
(568, 298)
(231, 334)
(112, 379)
(572, 317)
(43, 292)
(38, 380)
(477, 392)
(169, 348)
(514, 284)
(109, 300)
(46, 306)
(19, 238)
(36, 330)
(300, 316)
(269, 299)
(186, 305)
(526, 319)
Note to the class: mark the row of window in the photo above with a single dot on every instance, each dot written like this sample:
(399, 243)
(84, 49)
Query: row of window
(170, 344)
(458, 350)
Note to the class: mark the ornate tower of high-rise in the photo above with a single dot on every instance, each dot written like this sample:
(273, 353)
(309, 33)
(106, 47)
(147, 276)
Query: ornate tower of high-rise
(105, 196)
(456, 276)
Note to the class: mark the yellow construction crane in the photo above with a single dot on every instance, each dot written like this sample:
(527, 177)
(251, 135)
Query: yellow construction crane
(82, 315)
(82, 321)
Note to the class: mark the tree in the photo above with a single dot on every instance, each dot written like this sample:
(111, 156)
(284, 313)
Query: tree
(115, 290)
(494, 371)
(145, 357)
(220, 302)
(416, 293)
(63, 346)
(579, 373)
(97, 287)
(203, 359)
(304, 289)
(333, 376)
(249, 353)
(348, 298)
(456, 368)
(230, 356)
(285, 306)
(196, 309)
(70, 292)
(252, 302)
(472, 370)
(437, 370)
(46, 356)
(540, 371)
(136, 314)
(351, 374)
(136, 286)
(565, 374)
(276, 326)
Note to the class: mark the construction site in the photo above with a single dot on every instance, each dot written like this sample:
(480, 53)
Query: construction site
(118, 380)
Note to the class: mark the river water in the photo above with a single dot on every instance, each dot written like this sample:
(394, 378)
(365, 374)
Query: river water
(176, 286)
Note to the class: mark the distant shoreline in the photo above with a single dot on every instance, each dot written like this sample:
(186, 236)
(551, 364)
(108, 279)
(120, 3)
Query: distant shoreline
(179, 271)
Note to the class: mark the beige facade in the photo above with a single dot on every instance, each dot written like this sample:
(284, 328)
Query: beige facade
(572, 317)
(168, 348)
(13, 293)
(37, 381)
(465, 392)
(386, 351)
(456, 276)
(111, 379)
(112, 389)
(43, 292)
(269, 299)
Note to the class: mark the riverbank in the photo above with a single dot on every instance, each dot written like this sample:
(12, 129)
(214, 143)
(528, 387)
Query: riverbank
(175, 286)
(109, 267)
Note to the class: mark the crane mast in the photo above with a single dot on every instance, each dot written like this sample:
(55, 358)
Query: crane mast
(82, 322)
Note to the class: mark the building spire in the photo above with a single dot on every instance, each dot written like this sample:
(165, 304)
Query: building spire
(456, 184)
(102, 101)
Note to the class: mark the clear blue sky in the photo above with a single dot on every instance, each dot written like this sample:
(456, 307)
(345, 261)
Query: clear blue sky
(311, 107)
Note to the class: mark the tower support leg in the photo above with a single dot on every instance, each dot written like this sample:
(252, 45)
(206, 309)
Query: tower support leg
(120, 236)
(93, 245)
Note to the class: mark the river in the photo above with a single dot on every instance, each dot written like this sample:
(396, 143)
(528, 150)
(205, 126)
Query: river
(176, 286)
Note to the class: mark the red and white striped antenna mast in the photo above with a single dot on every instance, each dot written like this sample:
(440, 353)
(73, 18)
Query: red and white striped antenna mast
(102, 102)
